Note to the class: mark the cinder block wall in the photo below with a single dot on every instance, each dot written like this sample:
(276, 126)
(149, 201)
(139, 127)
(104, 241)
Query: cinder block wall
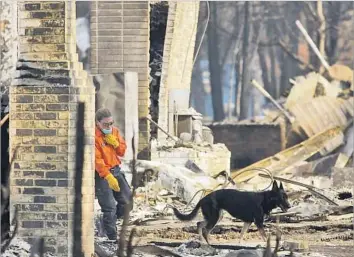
(178, 55)
(249, 143)
(120, 43)
(43, 109)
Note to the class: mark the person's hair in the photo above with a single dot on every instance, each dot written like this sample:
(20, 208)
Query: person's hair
(102, 113)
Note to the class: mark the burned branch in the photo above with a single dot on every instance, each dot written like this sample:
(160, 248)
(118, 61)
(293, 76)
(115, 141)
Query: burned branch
(127, 248)
(296, 57)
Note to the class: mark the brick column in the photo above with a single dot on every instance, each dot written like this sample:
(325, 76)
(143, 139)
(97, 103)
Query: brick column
(177, 56)
(43, 107)
(120, 43)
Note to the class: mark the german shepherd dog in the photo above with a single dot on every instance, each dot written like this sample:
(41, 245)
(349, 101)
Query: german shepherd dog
(247, 206)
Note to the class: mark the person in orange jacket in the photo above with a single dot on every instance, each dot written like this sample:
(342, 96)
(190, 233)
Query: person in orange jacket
(112, 190)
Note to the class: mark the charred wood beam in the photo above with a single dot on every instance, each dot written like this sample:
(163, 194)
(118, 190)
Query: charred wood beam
(80, 145)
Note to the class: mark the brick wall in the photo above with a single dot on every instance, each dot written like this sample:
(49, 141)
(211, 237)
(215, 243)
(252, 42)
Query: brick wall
(120, 43)
(178, 55)
(43, 108)
(249, 143)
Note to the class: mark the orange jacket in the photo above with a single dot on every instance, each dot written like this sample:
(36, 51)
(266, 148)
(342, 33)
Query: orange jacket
(106, 157)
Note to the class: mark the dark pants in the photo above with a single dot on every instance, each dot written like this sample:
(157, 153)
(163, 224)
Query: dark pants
(113, 204)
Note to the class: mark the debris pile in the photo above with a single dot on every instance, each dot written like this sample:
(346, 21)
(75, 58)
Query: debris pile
(317, 170)
(17, 248)
(20, 248)
(193, 147)
(316, 173)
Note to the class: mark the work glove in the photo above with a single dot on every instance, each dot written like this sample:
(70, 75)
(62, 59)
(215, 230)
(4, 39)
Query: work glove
(111, 140)
(112, 182)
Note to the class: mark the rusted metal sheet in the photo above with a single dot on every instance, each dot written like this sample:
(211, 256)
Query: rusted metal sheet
(323, 113)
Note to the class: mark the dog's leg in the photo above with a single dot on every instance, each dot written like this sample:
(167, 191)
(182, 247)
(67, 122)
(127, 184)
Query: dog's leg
(244, 230)
(221, 216)
(201, 226)
(210, 225)
(263, 234)
(261, 231)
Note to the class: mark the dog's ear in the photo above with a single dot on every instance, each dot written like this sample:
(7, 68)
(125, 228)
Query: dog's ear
(275, 186)
(281, 186)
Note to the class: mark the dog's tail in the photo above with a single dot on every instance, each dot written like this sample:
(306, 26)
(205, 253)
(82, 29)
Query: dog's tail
(185, 217)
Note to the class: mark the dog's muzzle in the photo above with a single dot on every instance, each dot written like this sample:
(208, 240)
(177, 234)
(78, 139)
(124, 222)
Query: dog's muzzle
(283, 208)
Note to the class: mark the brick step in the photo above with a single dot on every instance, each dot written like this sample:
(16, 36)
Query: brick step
(45, 56)
(57, 76)
(41, 73)
(50, 81)
(31, 48)
(53, 65)
(57, 82)
(51, 71)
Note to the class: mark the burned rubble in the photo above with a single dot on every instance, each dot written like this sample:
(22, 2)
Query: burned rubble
(316, 174)
(313, 159)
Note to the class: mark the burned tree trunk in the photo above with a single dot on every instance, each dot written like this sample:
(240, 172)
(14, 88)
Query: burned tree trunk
(332, 39)
(79, 162)
(197, 90)
(214, 65)
(273, 78)
(238, 84)
(245, 74)
(264, 67)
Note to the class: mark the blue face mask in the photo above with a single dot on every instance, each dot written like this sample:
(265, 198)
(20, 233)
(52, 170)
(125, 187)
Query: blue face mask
(107, 131)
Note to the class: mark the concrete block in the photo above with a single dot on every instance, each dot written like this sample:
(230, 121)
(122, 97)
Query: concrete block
(343, 177)
(183, 182)
(296, 246)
